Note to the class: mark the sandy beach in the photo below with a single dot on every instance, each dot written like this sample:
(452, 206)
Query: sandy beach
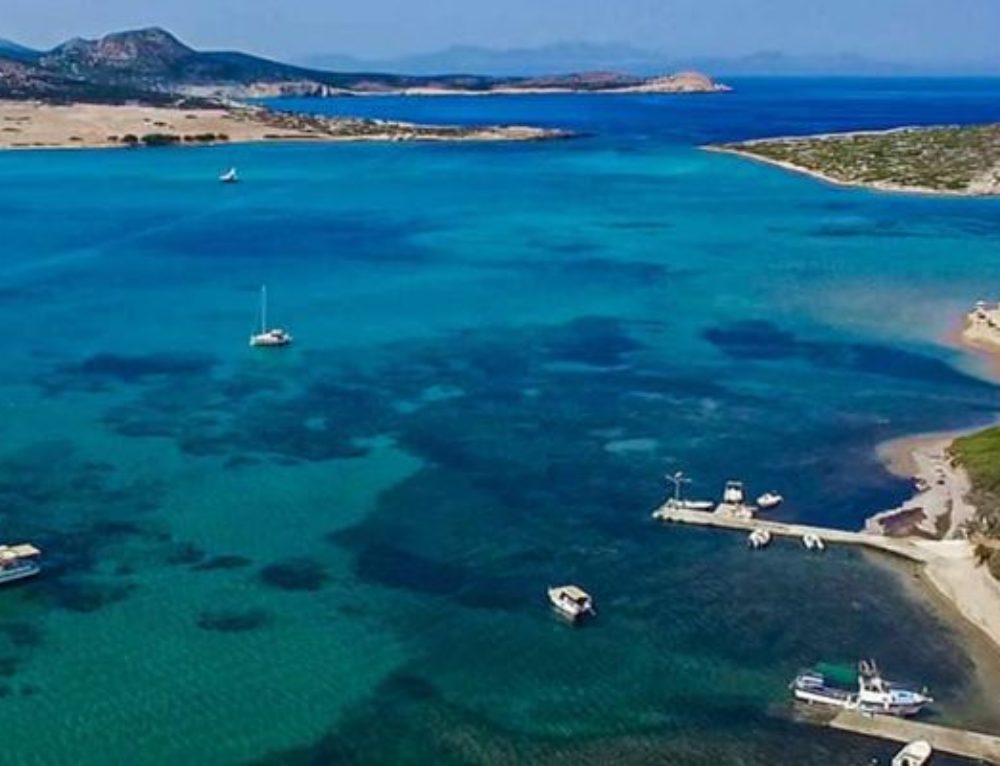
(939, 509)
(938, 514)
(34, 125)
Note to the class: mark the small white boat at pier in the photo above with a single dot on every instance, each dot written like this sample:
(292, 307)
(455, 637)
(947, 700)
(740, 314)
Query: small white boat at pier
(813, 542)
(916, 753)
(769, 500)
(733, 493)
(678, 503)
(572, 602)
(759, 538)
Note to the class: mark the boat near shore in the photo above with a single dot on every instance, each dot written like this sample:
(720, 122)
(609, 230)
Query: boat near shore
(830, 685)
(916, 753)
(769, 500)
(18, 562)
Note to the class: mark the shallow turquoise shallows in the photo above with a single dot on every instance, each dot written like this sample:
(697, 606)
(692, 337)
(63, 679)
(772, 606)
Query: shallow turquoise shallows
(337, 553)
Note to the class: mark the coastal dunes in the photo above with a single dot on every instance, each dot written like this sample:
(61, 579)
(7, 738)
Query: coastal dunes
(34, 125)
(945, 160)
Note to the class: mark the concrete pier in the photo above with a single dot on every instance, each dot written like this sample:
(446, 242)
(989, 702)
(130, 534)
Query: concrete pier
(724, 519)
(968, 744)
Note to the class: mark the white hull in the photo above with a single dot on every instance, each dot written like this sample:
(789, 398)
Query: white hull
(18, 573)
(874, 696)
(769, 500)
(916, 753)
(571, 602)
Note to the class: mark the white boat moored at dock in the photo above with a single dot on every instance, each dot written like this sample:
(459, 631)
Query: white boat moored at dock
(676, 502)
(572, 601)
(813, 542)
(769, 500)
(759, 538)
(916, 753)
(829, 685)
(18, 562)
(733, 493)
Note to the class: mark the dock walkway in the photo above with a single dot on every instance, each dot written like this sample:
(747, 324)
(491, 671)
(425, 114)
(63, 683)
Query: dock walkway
(968, 744)
(721, 518)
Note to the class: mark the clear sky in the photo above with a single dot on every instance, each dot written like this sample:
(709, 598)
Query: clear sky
(900, 30)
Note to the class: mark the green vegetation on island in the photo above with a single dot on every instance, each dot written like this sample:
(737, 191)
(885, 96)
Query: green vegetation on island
(949, 160)
(979, 454)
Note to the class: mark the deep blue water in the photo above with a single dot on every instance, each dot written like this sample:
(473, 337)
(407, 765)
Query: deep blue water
(338, 553)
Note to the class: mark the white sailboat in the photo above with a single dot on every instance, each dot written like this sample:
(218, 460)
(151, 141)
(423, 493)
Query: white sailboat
(677, 502)
(273, 337)
(229, 177)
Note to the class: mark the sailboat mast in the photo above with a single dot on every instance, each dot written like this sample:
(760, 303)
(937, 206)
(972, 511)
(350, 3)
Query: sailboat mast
(263, 308)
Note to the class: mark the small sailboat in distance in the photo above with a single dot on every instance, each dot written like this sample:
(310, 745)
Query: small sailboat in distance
(229, 177)
(273, 337)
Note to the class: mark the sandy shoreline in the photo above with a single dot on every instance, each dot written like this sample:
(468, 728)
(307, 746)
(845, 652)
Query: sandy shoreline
(951, 570)
(819, 176)
(34, 125)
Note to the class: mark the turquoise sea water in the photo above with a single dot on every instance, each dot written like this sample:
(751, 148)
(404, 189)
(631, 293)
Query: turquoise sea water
(338, 553)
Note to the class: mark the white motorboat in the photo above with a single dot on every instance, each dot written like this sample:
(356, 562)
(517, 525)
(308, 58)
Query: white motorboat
(229, 177)
(18, 562)
(813, 542)
(769, 500)
(689, 505)
(268, 337)
(916, 753)
(829, 685)
(733, 493)
(678, 503)
(759, 538)
(572, 601)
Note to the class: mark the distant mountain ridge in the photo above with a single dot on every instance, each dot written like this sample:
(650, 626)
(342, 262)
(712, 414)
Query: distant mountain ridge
(580, 57)
(152, 64)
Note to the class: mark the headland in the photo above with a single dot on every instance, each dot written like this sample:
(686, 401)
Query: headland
(37, 125)
(946, 160)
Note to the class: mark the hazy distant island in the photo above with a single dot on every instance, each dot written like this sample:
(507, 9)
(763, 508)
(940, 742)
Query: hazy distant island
(152, 64)
(956, 160)
(146, 88)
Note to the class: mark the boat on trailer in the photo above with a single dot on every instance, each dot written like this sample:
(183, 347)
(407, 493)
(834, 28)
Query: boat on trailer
(872, 694)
